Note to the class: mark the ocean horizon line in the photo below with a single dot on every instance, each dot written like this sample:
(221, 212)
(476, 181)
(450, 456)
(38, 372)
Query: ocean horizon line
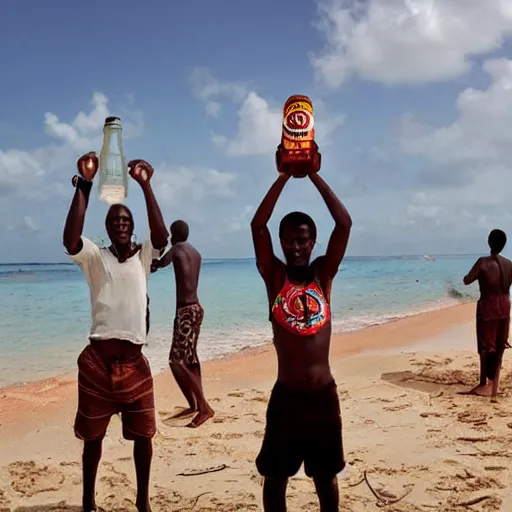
(252, 258)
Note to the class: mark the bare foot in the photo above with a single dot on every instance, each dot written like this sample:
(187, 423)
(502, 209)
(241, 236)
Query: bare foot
(185, 413)
(144, 507)
(201, 417)
(482, 391)
(473, 391)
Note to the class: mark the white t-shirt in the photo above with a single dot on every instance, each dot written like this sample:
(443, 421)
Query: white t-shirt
(118, 291)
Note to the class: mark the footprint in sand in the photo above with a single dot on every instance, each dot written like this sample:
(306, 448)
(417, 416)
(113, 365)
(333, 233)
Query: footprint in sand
(236, 394)
(223, 418)
(115, 478)
(29, 478)
(166, 499)
(395, 408)
(477, 418)
(262, 399)
(233, 436)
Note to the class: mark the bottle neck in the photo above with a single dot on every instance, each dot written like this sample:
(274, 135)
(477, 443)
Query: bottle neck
(112, 140)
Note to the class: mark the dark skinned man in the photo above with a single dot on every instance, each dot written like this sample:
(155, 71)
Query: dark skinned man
(494, 276)
(183, 358)
(113, 374)
(303, 415)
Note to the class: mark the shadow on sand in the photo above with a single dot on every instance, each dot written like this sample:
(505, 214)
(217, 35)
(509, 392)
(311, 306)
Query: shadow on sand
(410, 380)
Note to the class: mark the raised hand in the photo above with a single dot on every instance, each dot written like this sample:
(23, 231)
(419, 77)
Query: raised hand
(87, 165)
(140, 171)
(155, 265)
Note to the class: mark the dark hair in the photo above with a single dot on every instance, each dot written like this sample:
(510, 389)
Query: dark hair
(497, 240)
(296, 219)
(114, 209)
(179, 230)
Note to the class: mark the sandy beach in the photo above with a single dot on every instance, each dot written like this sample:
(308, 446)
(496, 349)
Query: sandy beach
(405, 428)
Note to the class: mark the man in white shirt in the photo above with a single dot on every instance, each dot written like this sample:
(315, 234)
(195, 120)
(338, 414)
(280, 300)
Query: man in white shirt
(113, 374)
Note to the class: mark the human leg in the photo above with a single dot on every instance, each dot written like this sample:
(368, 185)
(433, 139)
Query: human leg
(179, 372)
(281, 453)
(501, 344)
(139, 425)
(328, 494)
(90, 461)
(187, 326)
(485, 334)
(324, 455)
(92, 419)
(205, 412)
(274, 494)
(142, 455)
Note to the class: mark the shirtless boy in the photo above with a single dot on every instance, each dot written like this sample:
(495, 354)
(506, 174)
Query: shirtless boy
(183, 358)
(494, 276)
(303, 415)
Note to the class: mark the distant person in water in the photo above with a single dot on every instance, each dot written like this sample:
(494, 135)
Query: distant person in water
(494, 276)
(303, 415)
(113, 374)
(183, 358)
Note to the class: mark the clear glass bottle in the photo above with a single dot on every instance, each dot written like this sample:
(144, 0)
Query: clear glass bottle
(113, 172)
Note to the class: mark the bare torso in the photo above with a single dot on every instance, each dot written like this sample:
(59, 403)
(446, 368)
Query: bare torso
(303, 361)
(187, 266)
(492, 279)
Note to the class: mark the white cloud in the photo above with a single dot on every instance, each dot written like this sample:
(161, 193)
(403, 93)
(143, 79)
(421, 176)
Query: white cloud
(19, 171)
(239, 222)
(85, 130)
(481, 133)
(27, 173)
(258, 130)
(179, 185)
(407, 41)
(210, 90)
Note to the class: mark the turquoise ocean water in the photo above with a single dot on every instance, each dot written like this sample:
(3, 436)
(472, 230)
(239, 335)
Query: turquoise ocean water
(46, 316)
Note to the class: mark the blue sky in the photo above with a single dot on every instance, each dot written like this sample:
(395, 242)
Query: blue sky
(412, 98)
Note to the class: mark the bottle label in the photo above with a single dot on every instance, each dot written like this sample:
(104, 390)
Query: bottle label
(112, 194)
(298, 124)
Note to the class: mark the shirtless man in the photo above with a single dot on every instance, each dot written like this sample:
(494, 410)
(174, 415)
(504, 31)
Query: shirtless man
(494, 276)
(113, 374)
(183, 358)
(303, 415)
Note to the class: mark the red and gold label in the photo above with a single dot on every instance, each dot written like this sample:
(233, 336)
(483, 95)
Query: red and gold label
(298, 123)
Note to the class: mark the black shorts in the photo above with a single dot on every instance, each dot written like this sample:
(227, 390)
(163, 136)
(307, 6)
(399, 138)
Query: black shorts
(302, 426)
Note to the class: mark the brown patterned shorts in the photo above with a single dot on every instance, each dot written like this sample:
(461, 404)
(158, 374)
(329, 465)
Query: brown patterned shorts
(104, 389)
(187, 326)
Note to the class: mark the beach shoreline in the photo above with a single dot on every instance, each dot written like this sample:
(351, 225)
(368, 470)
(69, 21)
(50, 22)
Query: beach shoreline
(20, 405)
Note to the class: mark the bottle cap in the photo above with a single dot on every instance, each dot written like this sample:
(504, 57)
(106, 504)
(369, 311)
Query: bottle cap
(113, 121)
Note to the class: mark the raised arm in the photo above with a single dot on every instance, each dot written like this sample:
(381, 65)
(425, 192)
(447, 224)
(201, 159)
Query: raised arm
(142, 172)
(343, 223)
(260, 233)
(164, 261)
(472, 275)
(72, 237)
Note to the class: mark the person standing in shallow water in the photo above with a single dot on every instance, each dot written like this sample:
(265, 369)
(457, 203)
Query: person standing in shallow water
(113, 374)
(183, 358)
(494, 276)
(303, 415)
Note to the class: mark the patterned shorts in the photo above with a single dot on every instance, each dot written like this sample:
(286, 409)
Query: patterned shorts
(187, 326)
